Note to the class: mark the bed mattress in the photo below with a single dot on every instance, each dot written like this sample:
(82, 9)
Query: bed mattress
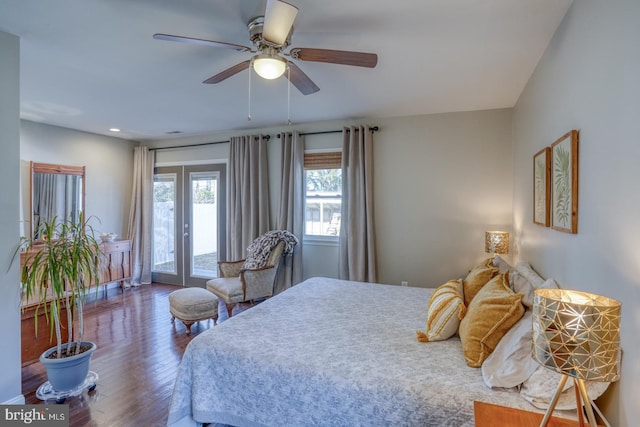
(329, 352)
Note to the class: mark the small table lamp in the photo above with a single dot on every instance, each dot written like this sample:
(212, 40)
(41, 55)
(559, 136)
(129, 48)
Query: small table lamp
(576, 334)
(496, 242)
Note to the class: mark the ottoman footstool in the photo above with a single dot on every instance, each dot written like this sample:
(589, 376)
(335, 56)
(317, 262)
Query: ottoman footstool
(191, 305)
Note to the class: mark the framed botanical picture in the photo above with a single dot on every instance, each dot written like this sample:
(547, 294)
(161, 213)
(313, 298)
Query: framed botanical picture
(564, 183)
(541, 186)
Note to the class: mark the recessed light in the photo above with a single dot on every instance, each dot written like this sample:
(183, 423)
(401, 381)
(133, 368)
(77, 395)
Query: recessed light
(114, 130)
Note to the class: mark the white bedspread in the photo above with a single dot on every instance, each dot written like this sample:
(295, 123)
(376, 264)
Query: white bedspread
(329, 353)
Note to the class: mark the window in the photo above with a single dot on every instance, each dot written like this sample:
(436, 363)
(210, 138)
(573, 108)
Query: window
(323, 201)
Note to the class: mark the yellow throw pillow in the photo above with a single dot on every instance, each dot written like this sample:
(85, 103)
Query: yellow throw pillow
(444, 312)
(492, 312)
(477, 278)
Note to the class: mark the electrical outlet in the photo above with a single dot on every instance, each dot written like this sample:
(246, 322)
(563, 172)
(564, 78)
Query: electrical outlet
(404, 283)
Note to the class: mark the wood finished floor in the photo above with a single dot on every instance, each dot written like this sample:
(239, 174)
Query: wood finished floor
(138, 354)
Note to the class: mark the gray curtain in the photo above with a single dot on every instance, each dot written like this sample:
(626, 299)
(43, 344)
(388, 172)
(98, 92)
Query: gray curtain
(72, 205)
(357, 259)
(44, 201)
(248, 193)
(141, 215)
(291, 212)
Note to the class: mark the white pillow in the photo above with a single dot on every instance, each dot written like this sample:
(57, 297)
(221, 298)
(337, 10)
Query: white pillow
(502, 265)
(524, 287)
(529, 273)
(514, 276)
(540, 387)
(525, 281)
(517, 280)
(511, 363)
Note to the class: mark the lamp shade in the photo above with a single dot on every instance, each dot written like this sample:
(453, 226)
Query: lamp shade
(496, 242)
(577, 334)
(269, 66)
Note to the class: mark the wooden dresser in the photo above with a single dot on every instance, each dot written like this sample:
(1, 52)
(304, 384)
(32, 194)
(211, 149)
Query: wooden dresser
(115, 266)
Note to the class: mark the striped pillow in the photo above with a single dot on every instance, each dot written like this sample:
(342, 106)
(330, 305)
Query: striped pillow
(444, 312)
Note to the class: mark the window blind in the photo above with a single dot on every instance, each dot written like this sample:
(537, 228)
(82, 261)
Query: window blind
(332, 160)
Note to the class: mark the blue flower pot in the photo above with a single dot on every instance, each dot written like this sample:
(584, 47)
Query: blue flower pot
(68, 373)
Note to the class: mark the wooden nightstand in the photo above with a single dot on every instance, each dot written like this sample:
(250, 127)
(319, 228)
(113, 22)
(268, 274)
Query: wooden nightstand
(488, 415)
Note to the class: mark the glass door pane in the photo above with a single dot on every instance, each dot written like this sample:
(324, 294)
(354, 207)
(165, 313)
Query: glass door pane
(164, 244)
(167, 249)
(204, 225)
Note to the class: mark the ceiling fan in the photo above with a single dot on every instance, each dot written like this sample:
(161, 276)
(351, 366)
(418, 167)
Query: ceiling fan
(271, 35)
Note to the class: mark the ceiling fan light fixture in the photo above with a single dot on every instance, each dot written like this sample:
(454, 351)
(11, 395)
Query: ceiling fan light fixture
(269, 66)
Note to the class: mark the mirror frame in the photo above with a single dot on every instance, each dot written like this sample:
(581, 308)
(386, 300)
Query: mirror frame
(56, 170)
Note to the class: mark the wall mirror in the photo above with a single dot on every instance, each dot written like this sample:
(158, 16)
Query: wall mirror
(56, 191)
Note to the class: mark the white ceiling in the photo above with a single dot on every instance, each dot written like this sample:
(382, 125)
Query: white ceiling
(93, 64)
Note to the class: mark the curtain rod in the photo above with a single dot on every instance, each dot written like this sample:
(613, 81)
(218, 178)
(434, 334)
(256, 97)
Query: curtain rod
(267, 137)
(373, 129)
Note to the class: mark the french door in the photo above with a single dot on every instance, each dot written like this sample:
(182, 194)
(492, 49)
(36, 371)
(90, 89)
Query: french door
(189, 223)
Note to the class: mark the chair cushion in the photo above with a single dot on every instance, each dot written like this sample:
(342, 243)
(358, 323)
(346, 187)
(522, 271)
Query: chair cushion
(227, 288)
(193, 304)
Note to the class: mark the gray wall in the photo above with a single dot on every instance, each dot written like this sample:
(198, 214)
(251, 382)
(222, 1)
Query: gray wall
(440, 182)
(10, 379)
(109, 170)
(588, 80)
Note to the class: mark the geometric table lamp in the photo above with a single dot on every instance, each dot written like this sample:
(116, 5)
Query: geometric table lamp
(496, 242)
(576, 334)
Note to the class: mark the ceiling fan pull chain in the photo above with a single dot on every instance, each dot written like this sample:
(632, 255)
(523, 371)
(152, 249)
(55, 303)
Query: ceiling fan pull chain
(289, 95)
(249, 107)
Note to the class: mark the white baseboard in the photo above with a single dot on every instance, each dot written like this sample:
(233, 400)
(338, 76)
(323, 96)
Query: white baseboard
(18, 400)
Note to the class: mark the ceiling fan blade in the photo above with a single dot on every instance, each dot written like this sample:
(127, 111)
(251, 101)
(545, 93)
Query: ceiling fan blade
(202, 42)
(223, 75)
(300, 80)
(278, 20)
(345, 57)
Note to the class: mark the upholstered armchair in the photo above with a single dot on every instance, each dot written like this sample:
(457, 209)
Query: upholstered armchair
(254, 277)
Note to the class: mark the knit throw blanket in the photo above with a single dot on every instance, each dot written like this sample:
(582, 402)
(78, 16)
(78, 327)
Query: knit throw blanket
(259, 250)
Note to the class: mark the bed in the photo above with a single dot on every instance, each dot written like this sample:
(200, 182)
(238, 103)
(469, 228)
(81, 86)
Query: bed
(330, 352)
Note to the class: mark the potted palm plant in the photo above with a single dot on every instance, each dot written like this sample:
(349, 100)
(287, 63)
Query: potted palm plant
(57, 273)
